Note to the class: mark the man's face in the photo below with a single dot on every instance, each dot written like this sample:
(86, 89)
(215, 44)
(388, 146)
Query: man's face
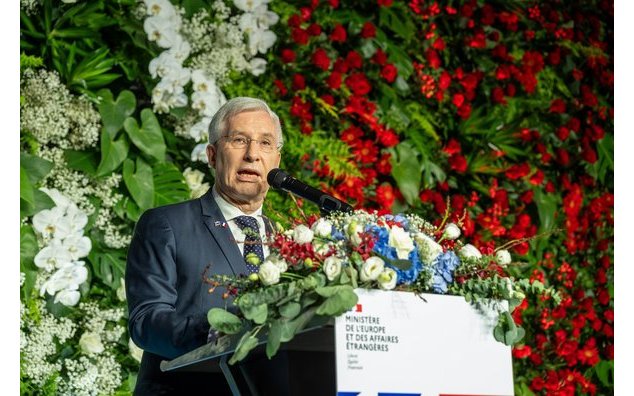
(241, 172)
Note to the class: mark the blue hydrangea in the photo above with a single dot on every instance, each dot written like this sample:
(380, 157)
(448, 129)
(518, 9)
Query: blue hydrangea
(443, 268)
(408, 276)
(337, 235)
(399, 218)
(383, 248)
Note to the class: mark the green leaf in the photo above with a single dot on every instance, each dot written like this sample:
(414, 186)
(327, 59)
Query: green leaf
(26, 188)
(245, 345)
(274, 338)
(169, 184)
(109, 265)
(341, 299)
(83, 161)
(546, 207)
(224, 321)
(406, 170)
(291, 327)
(290, 310)
(114, 112)
(35, 167)
(148, 138)
(257, 313)
(113, 153)
(605, 372)
(28, 250)
(397, 21)
(140, 182)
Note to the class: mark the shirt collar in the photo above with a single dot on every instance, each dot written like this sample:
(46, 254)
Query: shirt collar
(229, 211)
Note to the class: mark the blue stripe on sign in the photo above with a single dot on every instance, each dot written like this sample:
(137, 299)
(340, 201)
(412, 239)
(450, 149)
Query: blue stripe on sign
(347, 393)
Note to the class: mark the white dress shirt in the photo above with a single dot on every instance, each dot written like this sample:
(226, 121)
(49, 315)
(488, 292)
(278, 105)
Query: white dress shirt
(230, 212)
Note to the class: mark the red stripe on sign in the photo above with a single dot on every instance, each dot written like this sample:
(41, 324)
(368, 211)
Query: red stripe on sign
(359, 308)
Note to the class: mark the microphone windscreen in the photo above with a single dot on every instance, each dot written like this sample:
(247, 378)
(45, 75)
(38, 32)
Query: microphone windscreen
(276, 177)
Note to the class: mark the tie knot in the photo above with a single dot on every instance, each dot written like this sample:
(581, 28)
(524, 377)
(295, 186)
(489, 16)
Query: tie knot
(247, 222)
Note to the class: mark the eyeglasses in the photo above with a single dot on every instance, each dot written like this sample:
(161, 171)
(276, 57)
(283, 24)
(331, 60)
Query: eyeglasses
(266, 145)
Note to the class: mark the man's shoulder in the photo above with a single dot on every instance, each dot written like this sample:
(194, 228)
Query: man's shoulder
(179, 210)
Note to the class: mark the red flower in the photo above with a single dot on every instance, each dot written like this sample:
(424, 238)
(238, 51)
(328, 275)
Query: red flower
(294, 21)
(497, 95)
(351, 187)
(433, 59)
(522, 352)
(379, 57)
(452, 147)
(589, 354)
(439, 44)
(444, 80)
(334, 80)
(517, 171)
(328, 99)
(366, 152)
(537, 178)
(563, 133)
(384, 3)
(340, 65)
(458, 163)
(557, 106)
(301, 109)
(314, 29)
(368, 30)
(338, 34)
(299, 82)
(383, 166)
(299, 36)
(280, 86)
(358, 84)
(533, 62)
(306, 13)
(351, 135)
(288, 55)
(527, 197)
(385, 196)
(389, 73)
(387, 137)
(458, 99)
(354, 60)
(464, 111)
(320, 59)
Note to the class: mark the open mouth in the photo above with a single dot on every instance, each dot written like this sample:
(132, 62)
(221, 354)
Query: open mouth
(248, 174)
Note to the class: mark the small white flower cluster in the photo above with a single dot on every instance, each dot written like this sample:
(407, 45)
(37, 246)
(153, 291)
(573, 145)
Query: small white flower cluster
(38, 343)
(53, 115)
(29, 6)
(86, 376)
(62, 233)
(194, 179)
(78, 187)
(212, 47)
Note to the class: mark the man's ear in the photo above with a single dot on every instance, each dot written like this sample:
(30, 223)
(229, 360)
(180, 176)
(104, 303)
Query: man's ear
(211, 155)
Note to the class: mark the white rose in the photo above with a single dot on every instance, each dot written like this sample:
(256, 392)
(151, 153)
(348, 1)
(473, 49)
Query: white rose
(503, 257)
(269, 273)
(428, 248)
(332, 267)
(302, 234)
(135, 351)
(401, 241)
(91, 343)
(371, 269)
(387, 279)
(469, 251)
(321, 246)
(277, 261)
(452, 232)
(322, 228)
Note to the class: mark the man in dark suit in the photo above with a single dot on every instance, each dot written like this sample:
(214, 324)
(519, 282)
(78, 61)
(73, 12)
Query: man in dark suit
(173, 245)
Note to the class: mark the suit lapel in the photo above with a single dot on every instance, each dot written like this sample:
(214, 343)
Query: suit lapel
(217, 225)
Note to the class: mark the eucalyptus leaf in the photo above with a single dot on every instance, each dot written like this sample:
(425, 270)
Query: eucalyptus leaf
(224, 321)
(148, 138)
(291, 327)
(257, 313)
(290, 310)
(335, 305)
(274, 338)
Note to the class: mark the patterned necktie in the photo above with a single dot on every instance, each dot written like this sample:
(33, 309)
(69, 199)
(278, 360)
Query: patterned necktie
(252, 241)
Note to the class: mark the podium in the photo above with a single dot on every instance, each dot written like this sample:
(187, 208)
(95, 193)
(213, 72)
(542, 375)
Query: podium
(305, 365)
(391, 343)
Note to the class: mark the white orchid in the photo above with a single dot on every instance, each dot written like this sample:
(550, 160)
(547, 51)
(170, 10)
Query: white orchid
(66, 297)
(78, 219)
(248, 22)
(163, 65)
(201, 83)
(180, 49)
(401, 241)
(249, 5)
(164, 31)
(265, 17)
(200, 130)
(60, 200)
(160, 8)
(257, 66)
(77, 246)
(177, 78)
(199, 153)
(260, 41)
(52, 223)
(53, 256)
(69, 276)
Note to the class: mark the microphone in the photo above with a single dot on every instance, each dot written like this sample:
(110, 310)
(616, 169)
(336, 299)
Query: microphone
(281, 180)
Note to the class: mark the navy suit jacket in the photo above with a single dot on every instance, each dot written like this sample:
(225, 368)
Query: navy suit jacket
(167, 298)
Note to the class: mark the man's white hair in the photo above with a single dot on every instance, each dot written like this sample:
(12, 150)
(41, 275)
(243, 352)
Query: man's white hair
(220, 121)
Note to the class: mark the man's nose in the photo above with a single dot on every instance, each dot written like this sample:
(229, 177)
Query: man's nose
(252, 152)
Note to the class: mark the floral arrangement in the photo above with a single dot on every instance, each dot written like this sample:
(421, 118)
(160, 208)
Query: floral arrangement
(313, 269)
(501, 112)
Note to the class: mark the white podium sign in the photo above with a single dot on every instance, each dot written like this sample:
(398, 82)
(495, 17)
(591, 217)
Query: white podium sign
(395, 343)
